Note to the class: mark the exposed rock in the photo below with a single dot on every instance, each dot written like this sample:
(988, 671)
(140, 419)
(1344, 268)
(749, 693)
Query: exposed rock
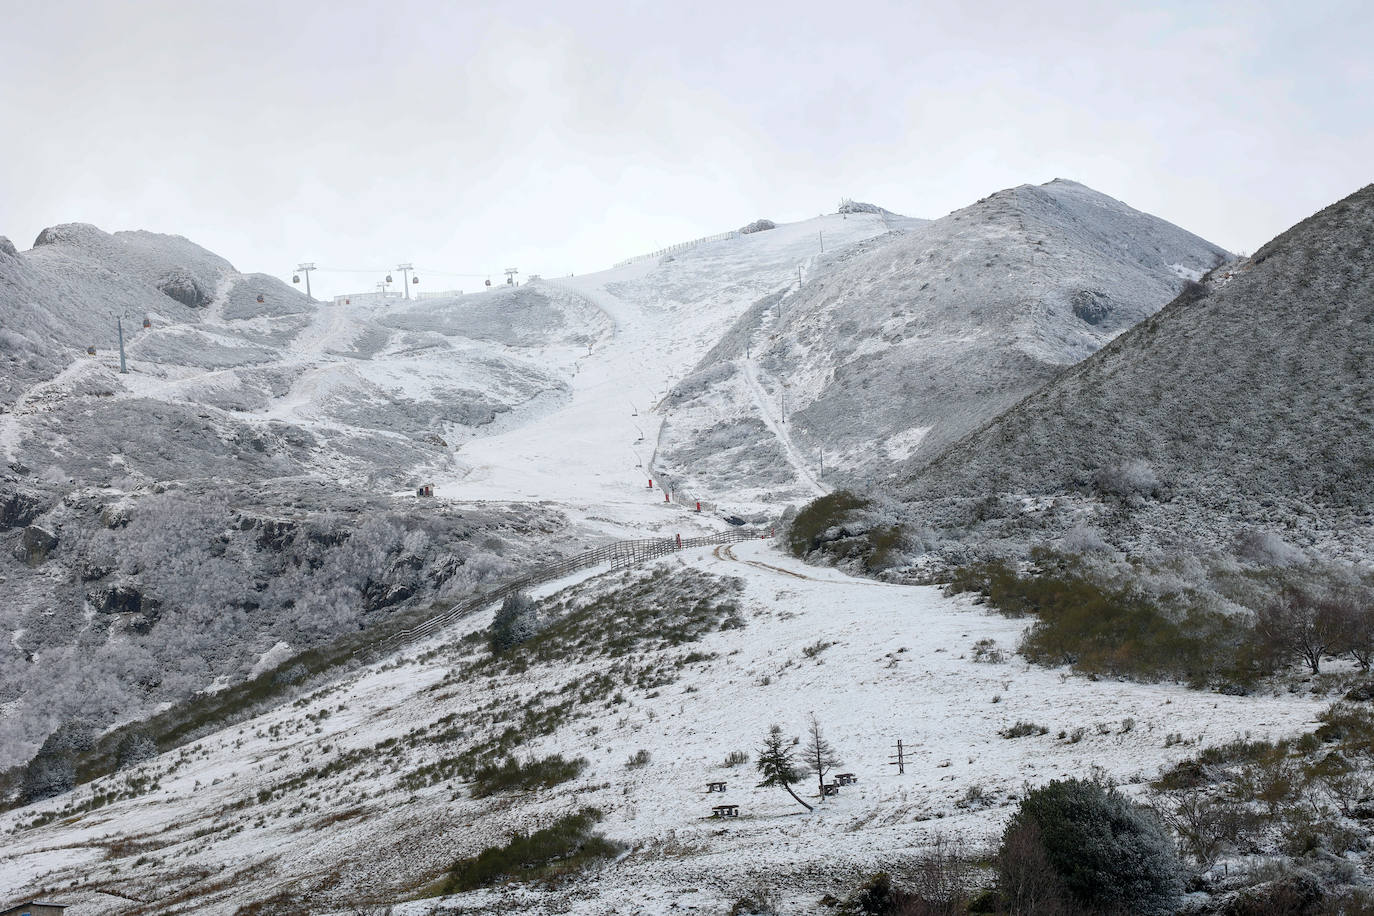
(186, 289)
(758, 225)
(377, 595)
(18, 510)
(35, 545)
(1093, 306)
(122, 599)
(7, 247)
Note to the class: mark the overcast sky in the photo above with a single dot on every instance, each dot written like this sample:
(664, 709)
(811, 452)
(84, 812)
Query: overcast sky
(556, 137)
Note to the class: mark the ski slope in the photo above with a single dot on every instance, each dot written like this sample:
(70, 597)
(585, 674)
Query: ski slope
(594, 452)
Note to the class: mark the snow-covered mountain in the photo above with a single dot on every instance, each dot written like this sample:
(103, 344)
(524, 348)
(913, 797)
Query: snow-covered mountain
(245, 489)
(245, 492)
(898, 347)
(1245, 404)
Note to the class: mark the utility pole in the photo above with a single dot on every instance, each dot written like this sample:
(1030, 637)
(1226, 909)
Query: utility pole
(822, 454)
(822, 234)
(899, 758)
(405, 270)
(305, 269)
(119, 325)
(799, 283)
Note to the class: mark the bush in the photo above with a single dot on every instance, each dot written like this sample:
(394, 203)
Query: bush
(1023, 730)
(566, 844)
(534, 774)
(736, 758)
(1114, 629)
(1127, 480)
(515, 621)
(820, 515)
(1078, 842)
(639, 758)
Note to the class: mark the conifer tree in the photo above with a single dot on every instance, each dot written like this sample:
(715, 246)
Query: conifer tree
(776, 766)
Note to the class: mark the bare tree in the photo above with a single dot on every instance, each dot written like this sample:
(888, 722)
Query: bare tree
(1355, 604)
(776, 766)
(820, 757)
(1300, 623)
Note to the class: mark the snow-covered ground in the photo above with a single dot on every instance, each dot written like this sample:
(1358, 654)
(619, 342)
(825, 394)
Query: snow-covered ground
(874, 662)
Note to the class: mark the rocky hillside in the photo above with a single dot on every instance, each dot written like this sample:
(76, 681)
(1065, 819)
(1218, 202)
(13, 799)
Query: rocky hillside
(243, 492)
(1245, 405)
(898, 347)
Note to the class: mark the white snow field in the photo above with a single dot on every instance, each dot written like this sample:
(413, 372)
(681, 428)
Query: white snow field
(893, 663)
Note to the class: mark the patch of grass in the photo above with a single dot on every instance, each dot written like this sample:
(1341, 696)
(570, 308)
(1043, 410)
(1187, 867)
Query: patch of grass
(512, 775)
(564, 846)
(1023, 730)
(1118, 630)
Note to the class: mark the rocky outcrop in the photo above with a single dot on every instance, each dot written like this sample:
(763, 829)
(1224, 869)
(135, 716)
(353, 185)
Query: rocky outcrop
(186, 289)
(18, 510)
(35, 545)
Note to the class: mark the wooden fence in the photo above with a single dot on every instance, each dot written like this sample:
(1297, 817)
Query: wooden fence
(617, 554)
(680, 246)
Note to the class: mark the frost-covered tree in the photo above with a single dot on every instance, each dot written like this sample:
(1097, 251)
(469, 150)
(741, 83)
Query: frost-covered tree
(52, 771)
(776, 765)
(516, 621)
(820, 757)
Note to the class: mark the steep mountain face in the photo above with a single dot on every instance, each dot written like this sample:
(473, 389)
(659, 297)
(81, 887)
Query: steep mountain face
(894, 349)
(1244, 405)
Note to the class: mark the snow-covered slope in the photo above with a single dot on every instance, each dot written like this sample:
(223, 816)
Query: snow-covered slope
(356, 794)
(596, 451)
(277, 421)
(1248, 404)
(897, 347)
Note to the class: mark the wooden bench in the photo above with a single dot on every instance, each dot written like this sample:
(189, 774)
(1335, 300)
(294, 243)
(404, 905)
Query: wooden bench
(725, 811)
(715, 787)
(845, 779)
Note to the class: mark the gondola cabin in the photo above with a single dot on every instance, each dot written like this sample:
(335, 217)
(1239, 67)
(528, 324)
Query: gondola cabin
(261, 298)
(90, 351)
(147, 322)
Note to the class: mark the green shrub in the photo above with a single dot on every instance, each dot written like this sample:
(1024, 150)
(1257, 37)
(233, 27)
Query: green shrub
(1080, 841)
(563, 846)
(818, 516)
(1118, 630)
(512, 775)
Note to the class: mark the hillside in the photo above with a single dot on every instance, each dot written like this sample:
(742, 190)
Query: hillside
(363, 791)
(1245, 405)
(245, 491)
(894, 349)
